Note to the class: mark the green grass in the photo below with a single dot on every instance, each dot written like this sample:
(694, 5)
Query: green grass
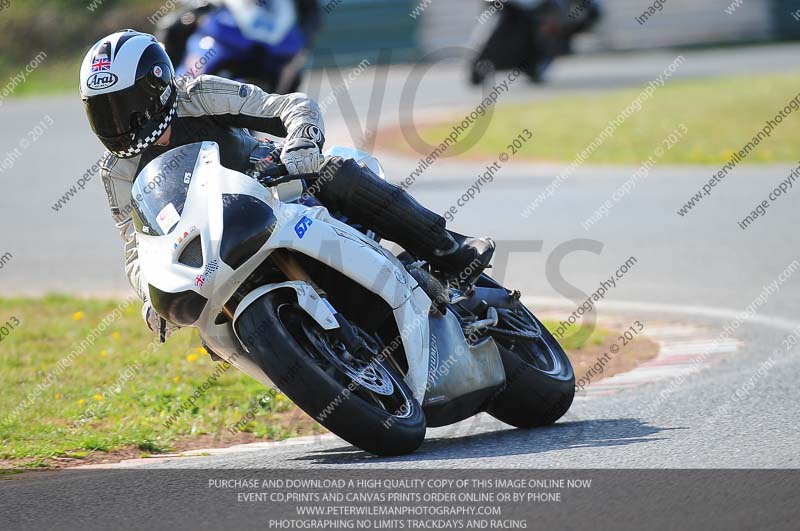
(63, 30)
(71, 418)
(59, 76)
(721, 116)
(152, 388)
(579, 338)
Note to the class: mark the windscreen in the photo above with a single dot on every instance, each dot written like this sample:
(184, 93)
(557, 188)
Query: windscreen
(159, 191)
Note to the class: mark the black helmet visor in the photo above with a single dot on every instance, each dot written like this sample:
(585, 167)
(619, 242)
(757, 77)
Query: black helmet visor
(117, 114)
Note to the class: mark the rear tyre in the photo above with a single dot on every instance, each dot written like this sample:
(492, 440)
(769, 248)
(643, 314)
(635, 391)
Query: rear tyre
(366, 403)
(540, 382)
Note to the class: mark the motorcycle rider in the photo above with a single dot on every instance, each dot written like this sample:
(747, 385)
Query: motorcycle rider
(242, 50)
(139, 110)
(530, 34)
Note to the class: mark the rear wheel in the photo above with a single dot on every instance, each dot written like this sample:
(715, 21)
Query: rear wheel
(363, 401)
(540, 382)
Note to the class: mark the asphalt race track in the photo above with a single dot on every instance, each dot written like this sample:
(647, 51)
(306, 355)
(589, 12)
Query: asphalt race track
(700, 268)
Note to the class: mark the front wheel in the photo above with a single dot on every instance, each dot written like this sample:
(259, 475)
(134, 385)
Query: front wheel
(365, 402)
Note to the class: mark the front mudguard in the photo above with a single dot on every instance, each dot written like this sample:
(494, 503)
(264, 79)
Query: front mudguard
(314, 305)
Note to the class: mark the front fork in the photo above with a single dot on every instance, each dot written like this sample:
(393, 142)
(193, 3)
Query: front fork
(291, 267)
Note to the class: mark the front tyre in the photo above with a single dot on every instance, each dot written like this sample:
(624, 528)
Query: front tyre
(365, 402)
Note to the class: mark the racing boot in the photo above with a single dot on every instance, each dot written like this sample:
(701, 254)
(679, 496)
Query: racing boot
(463, 258)
(391, 212)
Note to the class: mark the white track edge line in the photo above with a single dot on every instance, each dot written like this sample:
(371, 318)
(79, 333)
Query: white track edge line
(699, 311)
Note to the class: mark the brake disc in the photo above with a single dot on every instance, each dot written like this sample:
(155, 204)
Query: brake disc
(372, 376)
(369, 375)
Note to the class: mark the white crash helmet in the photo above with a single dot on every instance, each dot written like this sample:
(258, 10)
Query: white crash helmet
(128, 90)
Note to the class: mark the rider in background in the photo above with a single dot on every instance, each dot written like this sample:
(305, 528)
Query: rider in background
(263, 42)
(529, 34)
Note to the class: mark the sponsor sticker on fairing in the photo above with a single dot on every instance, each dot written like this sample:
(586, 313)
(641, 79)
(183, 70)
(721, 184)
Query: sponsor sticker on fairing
(302, 226)
(168, 218)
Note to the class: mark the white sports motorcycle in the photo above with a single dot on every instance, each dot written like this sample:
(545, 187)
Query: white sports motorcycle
(374, 347)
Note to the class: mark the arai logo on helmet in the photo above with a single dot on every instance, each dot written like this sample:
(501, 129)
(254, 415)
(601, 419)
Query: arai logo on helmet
(101, 80)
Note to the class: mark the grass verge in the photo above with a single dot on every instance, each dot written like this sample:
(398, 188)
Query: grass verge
(62, 30)
(120, 396)
(721, 116)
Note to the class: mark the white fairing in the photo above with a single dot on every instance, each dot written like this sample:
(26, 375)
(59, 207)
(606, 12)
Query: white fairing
(311, 231)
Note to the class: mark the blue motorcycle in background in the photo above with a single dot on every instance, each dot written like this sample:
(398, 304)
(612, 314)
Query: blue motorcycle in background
(264, 42)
